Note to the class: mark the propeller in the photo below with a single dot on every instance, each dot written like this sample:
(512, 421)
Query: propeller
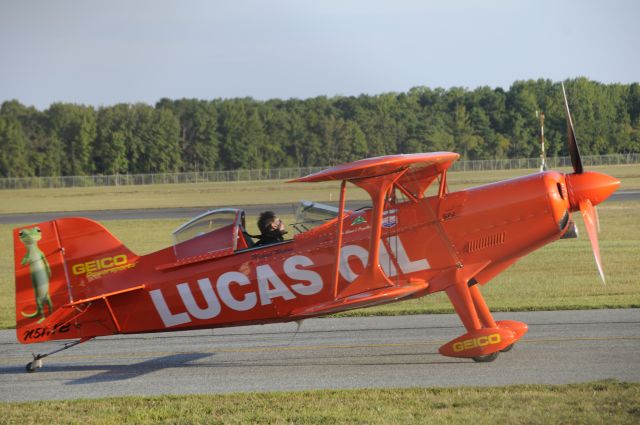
(574, 152)
(586, 189)
(590, 217)
(543, 164)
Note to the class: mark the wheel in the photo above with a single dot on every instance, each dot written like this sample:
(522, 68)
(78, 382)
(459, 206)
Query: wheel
(486, 359)
(34, 365)
(507, 348)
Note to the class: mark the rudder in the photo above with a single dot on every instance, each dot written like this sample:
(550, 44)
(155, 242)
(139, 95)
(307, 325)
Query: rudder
(57, 262)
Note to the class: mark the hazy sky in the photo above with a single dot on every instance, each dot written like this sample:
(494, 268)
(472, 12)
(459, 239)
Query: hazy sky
(106, 52)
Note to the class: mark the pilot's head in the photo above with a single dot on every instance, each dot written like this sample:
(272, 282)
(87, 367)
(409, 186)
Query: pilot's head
(269, 223)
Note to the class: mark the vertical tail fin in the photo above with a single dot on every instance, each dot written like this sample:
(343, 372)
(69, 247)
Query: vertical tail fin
(57, 262)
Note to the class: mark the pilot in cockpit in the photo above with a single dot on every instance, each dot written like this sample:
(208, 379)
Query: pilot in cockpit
(271, 229)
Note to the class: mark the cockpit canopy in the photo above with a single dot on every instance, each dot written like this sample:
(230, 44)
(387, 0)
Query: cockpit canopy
(221, 230)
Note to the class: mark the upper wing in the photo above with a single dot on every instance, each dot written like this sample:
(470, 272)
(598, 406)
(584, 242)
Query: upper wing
(371, 167)
(422, 169)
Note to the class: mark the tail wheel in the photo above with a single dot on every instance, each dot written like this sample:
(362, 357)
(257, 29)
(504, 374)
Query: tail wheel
(34, 365)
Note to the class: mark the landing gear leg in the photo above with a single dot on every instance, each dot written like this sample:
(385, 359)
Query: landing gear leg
(36, 364)
(487, 321)
(474, 313)
(481, 307)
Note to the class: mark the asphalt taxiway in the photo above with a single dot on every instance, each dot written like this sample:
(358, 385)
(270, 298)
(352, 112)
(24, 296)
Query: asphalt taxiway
(400, 351)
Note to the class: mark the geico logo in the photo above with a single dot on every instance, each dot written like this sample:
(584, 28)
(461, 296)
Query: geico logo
(101, 264)
(229, 292)
(481, 341)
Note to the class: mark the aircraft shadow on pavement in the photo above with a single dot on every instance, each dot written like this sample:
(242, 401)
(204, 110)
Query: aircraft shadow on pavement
(126, 371)
(122, 372)
(349, 360)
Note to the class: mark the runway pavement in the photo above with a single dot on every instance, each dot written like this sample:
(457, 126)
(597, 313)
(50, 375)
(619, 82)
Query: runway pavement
(162, 213)
(401, 351)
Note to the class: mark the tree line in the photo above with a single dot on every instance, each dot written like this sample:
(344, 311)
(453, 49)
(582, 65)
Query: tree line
(243, 133)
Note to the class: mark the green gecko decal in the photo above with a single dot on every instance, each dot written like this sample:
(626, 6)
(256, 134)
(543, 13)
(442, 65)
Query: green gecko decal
(40, 271)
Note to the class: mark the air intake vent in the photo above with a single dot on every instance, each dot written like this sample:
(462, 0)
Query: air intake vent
(486, 242)
(562, 190)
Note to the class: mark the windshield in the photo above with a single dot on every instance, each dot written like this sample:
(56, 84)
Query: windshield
(313, 214)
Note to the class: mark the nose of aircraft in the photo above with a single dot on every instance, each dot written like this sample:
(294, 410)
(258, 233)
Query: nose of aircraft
(595, 187)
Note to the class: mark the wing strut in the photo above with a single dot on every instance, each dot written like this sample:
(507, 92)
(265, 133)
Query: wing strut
(336, 271)
(373, 277)
(442, 189)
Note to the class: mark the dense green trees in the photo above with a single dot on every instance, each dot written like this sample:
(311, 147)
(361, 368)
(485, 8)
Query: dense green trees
(197, 135)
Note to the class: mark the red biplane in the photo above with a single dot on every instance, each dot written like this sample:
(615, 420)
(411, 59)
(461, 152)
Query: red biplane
(76, 281)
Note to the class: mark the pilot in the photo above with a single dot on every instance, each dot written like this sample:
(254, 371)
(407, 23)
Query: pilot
(271, 229)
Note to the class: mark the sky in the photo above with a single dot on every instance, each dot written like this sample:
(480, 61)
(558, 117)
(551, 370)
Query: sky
(106, 52)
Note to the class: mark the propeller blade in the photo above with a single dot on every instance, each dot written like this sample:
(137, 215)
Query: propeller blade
(590, 222)
(574, 152)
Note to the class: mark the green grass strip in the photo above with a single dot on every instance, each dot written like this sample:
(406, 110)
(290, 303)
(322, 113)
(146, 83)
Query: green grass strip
(605, 402)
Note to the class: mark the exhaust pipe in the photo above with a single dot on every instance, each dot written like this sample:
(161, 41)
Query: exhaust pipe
(572, 231)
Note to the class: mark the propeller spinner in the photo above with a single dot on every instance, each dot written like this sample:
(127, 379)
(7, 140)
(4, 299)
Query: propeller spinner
(586, 189)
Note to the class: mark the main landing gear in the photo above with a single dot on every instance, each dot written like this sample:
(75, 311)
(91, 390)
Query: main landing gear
(491, 357)
(36, 364)
(507, 348)
(485, 338)
(486, 359)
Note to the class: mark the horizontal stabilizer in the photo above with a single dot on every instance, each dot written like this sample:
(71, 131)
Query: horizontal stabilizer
(104, 296)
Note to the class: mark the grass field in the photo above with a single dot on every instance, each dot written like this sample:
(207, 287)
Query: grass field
(562, 275)
(207, 195)
(591, 403)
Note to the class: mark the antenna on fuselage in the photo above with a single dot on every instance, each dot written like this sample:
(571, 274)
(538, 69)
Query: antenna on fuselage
(543, 165)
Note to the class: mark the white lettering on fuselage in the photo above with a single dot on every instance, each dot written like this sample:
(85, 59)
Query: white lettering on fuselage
(404, 262)
(397, 251)
(224, 281)
(213, 304)
(270, 286)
